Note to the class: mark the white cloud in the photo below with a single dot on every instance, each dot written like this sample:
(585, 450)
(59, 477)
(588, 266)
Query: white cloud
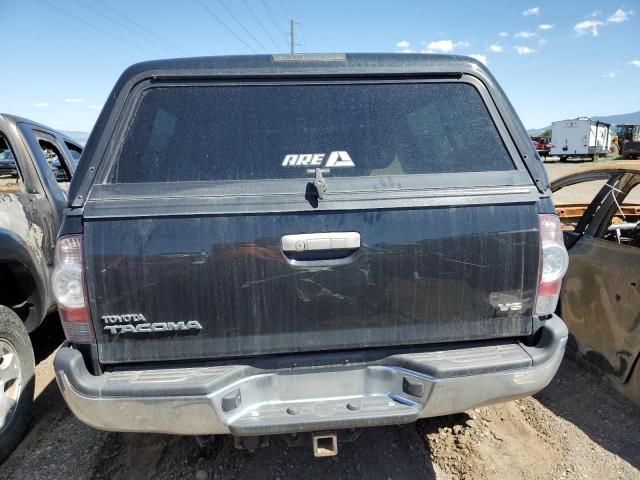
(596, 13)
(41, 104)
(635, 63)
(542, 41)
(481, 58)
(73, 100)
(525, 34)
(531, 11)
(406, 50)
(612, 74)
(523, 50)
(495, 48)
(403, 44)
(546, 26)
(592, 26)
(503, 34)
(588, 26)
(444, 46)
(95, 107)
(619, 16)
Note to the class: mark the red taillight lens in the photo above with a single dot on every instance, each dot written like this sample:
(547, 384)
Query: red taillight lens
(67, 283)
(554, 262)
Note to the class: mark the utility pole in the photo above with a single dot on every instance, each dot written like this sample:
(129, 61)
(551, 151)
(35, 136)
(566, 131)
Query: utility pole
(292, 33)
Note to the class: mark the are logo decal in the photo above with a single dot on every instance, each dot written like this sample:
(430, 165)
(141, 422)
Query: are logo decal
(336, 159)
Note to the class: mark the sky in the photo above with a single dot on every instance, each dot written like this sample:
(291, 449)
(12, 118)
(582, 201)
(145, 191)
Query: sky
(555, 59)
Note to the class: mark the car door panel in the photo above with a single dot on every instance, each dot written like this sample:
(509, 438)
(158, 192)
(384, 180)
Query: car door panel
(600, 300)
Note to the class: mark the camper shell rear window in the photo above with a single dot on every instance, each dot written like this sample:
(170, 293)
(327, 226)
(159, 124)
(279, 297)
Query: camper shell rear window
(212, 132)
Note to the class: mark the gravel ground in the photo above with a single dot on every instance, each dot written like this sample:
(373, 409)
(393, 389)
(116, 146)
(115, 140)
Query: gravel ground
(579, 427)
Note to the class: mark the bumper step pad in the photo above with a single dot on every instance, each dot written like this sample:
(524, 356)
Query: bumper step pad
(326, 414)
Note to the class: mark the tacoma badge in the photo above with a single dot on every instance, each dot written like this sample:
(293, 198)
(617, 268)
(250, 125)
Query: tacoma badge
(137, 323)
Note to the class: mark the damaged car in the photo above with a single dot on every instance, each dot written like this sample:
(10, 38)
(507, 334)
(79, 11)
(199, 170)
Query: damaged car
(32, 197)
(599, 208)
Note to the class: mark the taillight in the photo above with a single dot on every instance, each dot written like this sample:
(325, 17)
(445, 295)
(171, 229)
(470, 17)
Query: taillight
(67, 283)
(554, 262)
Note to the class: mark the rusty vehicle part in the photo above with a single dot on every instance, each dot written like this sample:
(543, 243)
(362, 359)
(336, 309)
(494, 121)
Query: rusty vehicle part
(600, 298)
(32, 197)
(570, 214)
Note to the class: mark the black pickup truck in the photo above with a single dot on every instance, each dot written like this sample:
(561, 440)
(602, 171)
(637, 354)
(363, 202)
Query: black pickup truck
(36, 164)
(303, 244)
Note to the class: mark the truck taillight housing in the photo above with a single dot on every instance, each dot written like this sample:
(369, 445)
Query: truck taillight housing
(554, 262)
(67, 283)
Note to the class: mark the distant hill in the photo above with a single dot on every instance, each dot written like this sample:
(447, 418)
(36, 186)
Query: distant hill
(633, 117)
(534, 132)
(80, 137)
(619, 119)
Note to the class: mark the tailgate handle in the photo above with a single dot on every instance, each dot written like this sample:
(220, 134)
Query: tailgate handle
(308, 242)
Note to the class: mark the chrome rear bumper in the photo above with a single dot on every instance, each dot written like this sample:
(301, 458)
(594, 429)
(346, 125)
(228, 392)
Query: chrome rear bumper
(243, 400)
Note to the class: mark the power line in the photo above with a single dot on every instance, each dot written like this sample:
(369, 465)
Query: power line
(141, 27)
(292, 33)
(292, 30)
(225, 26)
(286, 15)
(303, 40)
(106, 32)
(289, 18)
(274, 21)
(117, 22)
(242, 26)
(261, 25)
(293, 8)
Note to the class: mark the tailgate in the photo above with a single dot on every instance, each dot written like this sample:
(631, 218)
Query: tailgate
(188, 246)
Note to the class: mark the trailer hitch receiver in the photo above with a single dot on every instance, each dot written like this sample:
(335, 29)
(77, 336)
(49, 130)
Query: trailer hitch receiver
(325, 444)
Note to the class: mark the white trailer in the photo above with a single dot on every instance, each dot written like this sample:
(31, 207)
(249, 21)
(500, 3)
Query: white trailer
(581, 138)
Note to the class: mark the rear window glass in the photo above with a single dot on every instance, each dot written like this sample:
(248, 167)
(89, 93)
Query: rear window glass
(205, 133)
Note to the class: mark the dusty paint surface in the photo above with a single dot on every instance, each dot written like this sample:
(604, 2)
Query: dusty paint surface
(14, 217)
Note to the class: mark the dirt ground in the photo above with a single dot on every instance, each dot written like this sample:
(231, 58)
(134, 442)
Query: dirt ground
(555, 168)
(579, 427)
